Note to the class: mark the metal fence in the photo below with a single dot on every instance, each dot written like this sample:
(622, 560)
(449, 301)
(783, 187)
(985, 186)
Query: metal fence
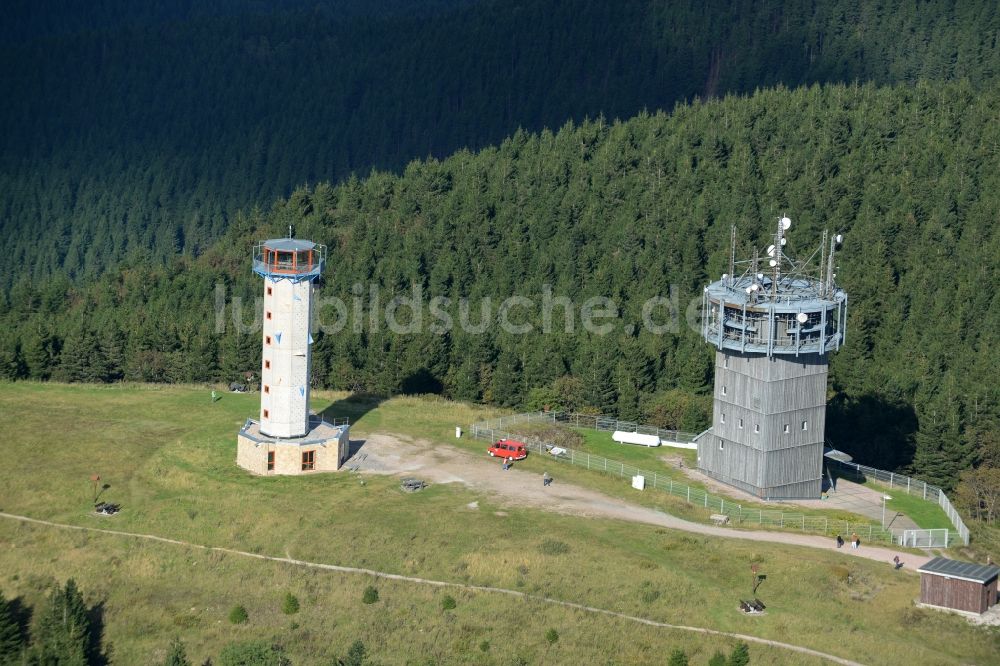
(495, 429)
(592, 421)
(912, 487)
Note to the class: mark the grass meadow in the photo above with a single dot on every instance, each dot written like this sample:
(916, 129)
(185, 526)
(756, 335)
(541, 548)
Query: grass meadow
(167, 454)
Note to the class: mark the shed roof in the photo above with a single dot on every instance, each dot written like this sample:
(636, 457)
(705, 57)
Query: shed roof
(942, 566)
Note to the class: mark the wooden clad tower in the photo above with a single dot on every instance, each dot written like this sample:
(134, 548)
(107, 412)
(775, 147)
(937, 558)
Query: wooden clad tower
(772, 327)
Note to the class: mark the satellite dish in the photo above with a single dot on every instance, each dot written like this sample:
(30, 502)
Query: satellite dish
(772, 263)
(756, 287)
(802, 317)
(785, 223)
(749, 289)
(760, 276)
(840, 238)
(770, 250)
(784, 240)
(725, 275)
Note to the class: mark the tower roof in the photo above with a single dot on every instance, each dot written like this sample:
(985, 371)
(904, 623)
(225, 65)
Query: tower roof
(288, 244)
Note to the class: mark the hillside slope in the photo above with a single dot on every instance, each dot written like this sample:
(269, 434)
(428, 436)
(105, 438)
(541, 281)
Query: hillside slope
(626, 211)
(145, 134)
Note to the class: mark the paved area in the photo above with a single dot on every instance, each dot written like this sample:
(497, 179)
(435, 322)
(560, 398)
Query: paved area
(389, 454)
(845, 496)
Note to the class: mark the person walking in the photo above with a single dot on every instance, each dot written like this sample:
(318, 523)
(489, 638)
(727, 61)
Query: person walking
(840, 541)
(855, 541)
(546, 479)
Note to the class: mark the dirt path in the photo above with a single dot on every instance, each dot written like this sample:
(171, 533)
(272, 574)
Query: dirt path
(440, 583)
(390, 454)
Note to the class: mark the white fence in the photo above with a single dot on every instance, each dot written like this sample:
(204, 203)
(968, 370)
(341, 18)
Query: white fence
(912, 487)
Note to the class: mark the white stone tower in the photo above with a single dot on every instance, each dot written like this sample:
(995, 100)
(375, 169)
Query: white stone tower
(289, 266)
(773, 326)
(288, 438)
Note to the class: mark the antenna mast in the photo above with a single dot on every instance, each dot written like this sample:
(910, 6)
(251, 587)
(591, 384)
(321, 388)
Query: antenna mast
(822, 262)
(732, 254)
(829, 265)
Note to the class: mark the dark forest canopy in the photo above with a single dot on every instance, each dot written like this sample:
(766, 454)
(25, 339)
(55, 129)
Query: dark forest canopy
(143, 127)
(624, 210)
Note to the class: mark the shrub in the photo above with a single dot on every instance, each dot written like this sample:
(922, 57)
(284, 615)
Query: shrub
(740, 656)
(484, 646)
(370, 595)
(254, 653)
(678, 658)
(290, 605)
(448, 603)
(553, 547)
(238, 615)
(551, 636)
(355, 654)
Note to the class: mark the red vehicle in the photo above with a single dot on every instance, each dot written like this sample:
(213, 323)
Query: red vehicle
(510, 449)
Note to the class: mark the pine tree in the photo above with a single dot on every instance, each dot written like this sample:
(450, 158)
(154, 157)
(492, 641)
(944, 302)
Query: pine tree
(61, 635)
(11, 641)
(176, 655)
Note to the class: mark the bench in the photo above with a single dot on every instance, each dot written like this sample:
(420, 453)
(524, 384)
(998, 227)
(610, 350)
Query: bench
(720, 519)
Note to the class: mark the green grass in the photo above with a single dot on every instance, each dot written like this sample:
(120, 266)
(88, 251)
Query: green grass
(168, 454)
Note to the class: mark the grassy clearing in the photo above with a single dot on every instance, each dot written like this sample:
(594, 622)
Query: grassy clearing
(167, 454)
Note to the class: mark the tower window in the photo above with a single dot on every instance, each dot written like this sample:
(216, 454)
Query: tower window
(267, 414)
(722, 445)
(725, 361)
(267, 365)
(267, 389)
(805, 425)
(723, 415)
(308, 460)
(270, 461)
(723, 390)
(267, 339)
(741, 424)
(787, 428)
(268, 291)
(756, 427)
(268, 315)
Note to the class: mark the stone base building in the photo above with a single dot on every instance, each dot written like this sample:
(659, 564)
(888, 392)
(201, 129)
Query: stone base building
(324, 448)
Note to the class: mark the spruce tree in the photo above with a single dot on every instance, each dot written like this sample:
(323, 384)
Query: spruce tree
(11, 640)
(176, 655)
(61, 636)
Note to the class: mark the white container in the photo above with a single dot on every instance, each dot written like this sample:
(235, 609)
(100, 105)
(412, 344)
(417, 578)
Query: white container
(639, 482)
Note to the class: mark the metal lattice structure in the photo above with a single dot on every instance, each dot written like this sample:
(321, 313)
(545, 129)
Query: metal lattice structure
(773, 321)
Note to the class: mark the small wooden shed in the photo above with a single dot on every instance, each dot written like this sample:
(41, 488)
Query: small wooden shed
(961, 586)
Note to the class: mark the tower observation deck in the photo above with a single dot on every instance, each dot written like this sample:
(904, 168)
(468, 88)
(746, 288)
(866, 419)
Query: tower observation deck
(772, 320)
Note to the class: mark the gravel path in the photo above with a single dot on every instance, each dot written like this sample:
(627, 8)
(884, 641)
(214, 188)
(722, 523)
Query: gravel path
(391, 454)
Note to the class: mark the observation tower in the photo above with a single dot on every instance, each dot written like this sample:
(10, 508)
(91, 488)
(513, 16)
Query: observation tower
(288, 438)
(773, 321)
